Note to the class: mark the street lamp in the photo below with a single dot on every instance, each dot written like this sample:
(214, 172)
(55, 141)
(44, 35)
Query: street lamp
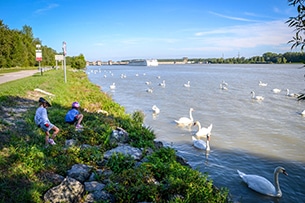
(39, 56)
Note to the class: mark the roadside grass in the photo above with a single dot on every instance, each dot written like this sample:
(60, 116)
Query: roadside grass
(16, 69)
(24, 161)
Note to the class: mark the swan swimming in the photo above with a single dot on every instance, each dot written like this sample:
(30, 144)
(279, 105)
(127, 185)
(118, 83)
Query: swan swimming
(187, 84)
(184, 121)
(262, 84)
(149, 90)
(223, 87)
(262, 185)
(224, 83)
(162, 84)
(203, 132)
(200, 144)
(112, 86)
(291, 94)
(155, 109)
(275, 90)
(260, 98)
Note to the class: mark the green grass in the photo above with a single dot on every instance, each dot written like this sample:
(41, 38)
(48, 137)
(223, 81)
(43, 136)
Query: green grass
(16, 69)
(24, 160)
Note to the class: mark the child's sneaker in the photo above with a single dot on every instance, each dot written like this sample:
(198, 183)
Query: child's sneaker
(51, 141)
(79, 126)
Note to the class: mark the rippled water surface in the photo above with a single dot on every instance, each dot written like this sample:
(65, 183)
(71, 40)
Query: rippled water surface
(251, 136)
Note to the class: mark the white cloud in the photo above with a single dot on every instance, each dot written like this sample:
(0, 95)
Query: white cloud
(45, 9)
(251, 35)
(232, 17)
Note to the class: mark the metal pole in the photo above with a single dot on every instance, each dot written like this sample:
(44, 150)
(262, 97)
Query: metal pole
(64, 53)
(65, 69)
(40, 68)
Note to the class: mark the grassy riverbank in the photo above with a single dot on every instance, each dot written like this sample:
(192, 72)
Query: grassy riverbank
(25, 163)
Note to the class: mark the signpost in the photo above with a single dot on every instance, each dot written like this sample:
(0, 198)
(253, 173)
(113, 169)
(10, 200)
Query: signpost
(39, 56)
(59, 58)
(64, 50)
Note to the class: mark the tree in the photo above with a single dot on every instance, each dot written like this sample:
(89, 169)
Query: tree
(78, 62)
(297, 22)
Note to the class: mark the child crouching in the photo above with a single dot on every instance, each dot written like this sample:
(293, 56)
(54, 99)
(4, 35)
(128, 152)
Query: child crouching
(41, 120)
(73, 116)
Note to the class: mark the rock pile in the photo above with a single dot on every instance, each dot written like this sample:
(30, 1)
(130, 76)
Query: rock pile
(81, 182)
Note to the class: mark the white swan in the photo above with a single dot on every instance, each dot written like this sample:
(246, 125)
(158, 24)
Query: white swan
(200, 144)
(223, 87)
(262, 185)
(291, 94)
(155, 109)
(203, 132)
(260, 98)
(162, 84)
(262, 84)
(187, 84)
(303, 113)
(276, 90)
(112, 86)
(149, 90)
(184, 121)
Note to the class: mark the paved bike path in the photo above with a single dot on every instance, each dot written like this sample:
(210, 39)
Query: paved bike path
(6, 77)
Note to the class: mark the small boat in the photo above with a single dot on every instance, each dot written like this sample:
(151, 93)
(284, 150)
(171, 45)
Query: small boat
(143, 62)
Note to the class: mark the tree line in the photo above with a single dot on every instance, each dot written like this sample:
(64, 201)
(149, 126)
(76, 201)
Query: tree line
(266, 58)
(18, 49)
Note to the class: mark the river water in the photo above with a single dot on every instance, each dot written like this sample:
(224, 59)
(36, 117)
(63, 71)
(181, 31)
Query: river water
(251, 136)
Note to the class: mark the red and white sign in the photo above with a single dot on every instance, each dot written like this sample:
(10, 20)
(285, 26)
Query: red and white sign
(38, 55)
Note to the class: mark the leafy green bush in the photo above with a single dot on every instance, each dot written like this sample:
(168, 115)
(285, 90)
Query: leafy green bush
(162, 179)
(119, 162)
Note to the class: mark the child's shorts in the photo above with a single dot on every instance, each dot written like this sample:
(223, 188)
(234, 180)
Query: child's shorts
(46, 129)
(73, 122)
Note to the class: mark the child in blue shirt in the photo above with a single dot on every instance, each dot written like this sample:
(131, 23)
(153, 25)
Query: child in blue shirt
(73, 116)
(42, 121)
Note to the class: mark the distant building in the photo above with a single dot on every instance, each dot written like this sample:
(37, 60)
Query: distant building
(98, 63)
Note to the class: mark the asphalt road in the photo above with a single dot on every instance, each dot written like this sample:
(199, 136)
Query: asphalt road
(6, 77)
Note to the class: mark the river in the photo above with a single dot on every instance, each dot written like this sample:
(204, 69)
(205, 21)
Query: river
(248, 135)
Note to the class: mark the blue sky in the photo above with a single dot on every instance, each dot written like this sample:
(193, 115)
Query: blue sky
(128, 29)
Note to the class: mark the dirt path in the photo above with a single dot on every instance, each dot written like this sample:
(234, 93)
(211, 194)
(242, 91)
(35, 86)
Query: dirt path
(6, 77)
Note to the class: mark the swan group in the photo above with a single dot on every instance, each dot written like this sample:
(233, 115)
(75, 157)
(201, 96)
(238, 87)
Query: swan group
(184, 121)
(260, 98)
(262, 185)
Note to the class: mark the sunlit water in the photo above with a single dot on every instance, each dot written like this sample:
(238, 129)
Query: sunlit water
(251, 136)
